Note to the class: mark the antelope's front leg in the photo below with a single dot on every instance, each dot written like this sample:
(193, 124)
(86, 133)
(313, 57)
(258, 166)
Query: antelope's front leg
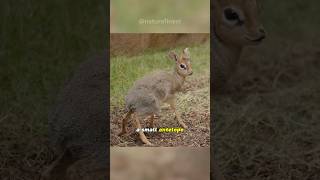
(151, 121)
(172, 103)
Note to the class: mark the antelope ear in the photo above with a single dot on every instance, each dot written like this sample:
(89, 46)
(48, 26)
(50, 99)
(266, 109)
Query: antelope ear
(186, 52)
(172, 55)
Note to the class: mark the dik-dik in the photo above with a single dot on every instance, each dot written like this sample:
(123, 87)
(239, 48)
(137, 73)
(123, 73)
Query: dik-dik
(235, 26)
(147, 94)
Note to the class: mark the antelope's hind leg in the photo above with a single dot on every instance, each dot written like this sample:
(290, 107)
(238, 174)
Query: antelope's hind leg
(141, 134)
(125, 123)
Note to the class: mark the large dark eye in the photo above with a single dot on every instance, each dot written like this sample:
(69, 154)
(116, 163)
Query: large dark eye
(231, 15)
(182, 66)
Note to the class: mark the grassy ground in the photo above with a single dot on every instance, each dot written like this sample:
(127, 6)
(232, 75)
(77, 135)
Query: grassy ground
(268, 126)
(41, 44)
(125, 70)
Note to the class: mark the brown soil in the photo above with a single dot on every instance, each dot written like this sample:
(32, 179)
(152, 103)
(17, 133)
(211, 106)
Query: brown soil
(193, 104)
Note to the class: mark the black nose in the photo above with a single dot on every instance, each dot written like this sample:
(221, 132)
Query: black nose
(191, 73)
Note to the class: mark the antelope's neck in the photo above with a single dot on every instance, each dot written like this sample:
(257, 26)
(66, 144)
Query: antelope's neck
(227, 52)
(179, 80)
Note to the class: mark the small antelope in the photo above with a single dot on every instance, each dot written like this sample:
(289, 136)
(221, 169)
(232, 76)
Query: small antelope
(235, 25)
(145, 97)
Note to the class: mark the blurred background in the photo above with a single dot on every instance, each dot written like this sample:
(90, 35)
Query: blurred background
(41, 43)
(267, 126)
(129, 44)
(192, 16)
(160, 163)
(136, 55)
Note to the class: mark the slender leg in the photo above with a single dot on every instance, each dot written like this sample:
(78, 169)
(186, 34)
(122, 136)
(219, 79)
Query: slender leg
(141, 134)
(176, 113)
(125, 123)
(151, 121)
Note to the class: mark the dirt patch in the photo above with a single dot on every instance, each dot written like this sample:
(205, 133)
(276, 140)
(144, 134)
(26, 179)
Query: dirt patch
(193, 103)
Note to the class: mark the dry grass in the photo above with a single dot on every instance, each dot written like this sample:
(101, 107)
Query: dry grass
(23, 153)
(268, 126)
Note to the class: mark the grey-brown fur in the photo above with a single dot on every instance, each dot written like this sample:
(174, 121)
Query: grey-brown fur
(78, 125)
(225, 61)
(149, 92)
(231, 33)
